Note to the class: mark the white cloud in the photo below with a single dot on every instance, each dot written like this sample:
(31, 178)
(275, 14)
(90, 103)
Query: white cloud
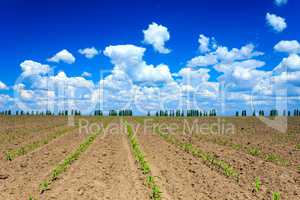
(19, 86)
(280, 2)
(276, 22)
(54, 92)
(26, 94)
(194, 77)
(157, 35)
(206, 44)
(4, 99)
(291, 63)
(241, 76)
(129, 59)
(3, 86)
(202, 61)
(245, 52)
(223, 55)
(288, 46)
(203, 43)
(63, 56)
(61, 80)
(89, 52)
(31, 68)
(86, 74)
(247, 64)
(288, 78)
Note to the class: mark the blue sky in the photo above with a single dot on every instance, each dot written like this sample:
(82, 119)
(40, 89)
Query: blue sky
(37, 30)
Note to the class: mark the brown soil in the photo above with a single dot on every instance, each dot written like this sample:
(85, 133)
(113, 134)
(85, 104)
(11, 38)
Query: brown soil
(30, 138)
(26, 172)
(273, 177)
(106, 171)
(183, 176)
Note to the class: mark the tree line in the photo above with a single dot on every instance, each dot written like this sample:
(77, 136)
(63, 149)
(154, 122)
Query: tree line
(41, 113)
(182, 113)
(114, 113)
(273, 113)
(160, 113)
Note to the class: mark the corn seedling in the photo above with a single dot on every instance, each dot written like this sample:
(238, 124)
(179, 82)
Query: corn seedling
(144, 166)
(63, 166)
(236, 146)
(8, 156)
(12, 154)
(276, 196)
(208, 159)
(257, 185)
(156, 193)
(254, 151)
(44, 186)
(276, 159)
(298, 146)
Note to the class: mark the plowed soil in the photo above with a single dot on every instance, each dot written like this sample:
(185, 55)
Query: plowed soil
(108, 170)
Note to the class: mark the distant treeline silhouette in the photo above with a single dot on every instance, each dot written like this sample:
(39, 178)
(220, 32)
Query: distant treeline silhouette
(114, 113)
(182, 113)
(273, 113)
(160, 113)
(41, 113)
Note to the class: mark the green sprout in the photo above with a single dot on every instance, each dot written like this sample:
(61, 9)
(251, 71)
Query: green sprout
(257, 184)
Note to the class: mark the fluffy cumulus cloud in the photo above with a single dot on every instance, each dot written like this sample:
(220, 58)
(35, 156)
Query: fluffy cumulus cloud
(157, 35)
(280, 2)
(89, 52)
(291, 63)
(276, 22)
(206, 44)
(129, 59)
(55, 92)
(30, 68)
(241, 75)
(223, 55)
(4, 100)
(61, 81)
(63, 56)
(86, 74)
(288, 46)
(201, 61)
(3, 86)
(245, 52)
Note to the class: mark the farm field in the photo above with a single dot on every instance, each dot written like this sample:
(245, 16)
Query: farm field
(148, 158)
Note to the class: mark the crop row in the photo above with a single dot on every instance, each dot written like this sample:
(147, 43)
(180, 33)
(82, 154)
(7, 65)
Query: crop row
(156, 193)
(12, 154)
(209, 160)
(253, 151)
(64, 165)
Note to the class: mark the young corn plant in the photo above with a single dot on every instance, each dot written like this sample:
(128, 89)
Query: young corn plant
(156, 193)
(44, 186)
(276, 196)
(8, 156)
(254, 151)
(236, 146)
(276, 159)
(298, 146)
(208, 159)
(12, 154)
(63, 166)
(257, 184)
